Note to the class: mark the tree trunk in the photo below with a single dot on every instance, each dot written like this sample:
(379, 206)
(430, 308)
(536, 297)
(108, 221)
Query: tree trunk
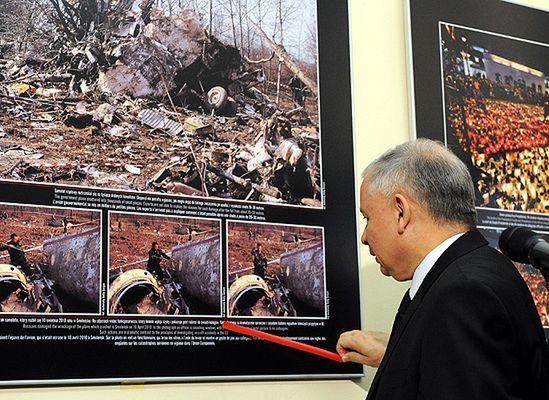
(232, 22)
(292, 65)
(211, 18)
(279, 69)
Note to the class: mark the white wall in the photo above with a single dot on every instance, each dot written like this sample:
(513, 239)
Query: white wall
(380, 96)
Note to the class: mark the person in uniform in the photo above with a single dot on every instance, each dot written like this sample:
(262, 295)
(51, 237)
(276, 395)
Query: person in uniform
(260, 261)
(17, 255)
(153, 263)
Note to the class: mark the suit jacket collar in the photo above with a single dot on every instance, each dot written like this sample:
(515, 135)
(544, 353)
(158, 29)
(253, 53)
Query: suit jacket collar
(470, 241)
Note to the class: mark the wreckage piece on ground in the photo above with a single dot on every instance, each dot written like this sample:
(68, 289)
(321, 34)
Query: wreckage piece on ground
(74, 263)
(138, 292)
(175, 56)
(304, 276)
(198, 270)
(19, 294)
(251, 295)
(144, 68)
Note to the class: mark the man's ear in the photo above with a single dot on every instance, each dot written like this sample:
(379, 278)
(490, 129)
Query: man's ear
(403, 211)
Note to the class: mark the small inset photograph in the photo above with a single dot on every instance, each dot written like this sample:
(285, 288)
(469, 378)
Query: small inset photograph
(50, 260)
(276, 270)
(162, 265)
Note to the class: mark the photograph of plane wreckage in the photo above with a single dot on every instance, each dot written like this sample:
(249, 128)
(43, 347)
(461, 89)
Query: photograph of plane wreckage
(164, 265)
(275, 270)
(50, 260)
(209, 98)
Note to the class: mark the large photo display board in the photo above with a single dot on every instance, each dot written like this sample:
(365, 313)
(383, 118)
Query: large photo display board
(481, 86)
(166, 166)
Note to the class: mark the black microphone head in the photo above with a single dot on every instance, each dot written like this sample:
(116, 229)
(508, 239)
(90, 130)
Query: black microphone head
(514, 243)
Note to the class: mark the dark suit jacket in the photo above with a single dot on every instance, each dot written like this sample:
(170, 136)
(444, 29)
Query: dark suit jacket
(472, 332)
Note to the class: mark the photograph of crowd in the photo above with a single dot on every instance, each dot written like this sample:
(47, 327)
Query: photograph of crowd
(275, 270)
(532, 276)
(164, 265)
(496, 95)
(50, 260)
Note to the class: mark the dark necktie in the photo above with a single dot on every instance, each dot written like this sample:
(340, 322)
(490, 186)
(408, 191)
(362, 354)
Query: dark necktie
(404, 303)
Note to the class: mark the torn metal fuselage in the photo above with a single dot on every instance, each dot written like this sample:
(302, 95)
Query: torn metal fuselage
(250, 295)
(19, 294)
(304, 276)
(74, 263)
(137, 291)
(198, 269)
(174, 55)
(191, 286)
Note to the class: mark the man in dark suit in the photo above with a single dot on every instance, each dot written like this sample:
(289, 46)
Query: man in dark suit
(467, 329)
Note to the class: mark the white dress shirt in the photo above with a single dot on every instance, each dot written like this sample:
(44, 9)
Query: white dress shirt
(430, 259)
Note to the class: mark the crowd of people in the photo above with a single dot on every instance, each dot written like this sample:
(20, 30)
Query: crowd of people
(538, 288)
(489, 126)
(509, 146)
(515, 181)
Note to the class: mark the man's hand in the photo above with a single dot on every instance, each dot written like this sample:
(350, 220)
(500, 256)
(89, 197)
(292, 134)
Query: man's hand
(363, 347)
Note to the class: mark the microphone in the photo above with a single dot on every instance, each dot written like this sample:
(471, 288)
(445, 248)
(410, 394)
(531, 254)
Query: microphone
(526, 246)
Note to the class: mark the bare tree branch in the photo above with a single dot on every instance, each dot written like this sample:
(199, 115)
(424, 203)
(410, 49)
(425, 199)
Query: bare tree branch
(261, 61)
(283, 55)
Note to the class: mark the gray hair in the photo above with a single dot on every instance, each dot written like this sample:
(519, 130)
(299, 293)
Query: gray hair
(431, 174)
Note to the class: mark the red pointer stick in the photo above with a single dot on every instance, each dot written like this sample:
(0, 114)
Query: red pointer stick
(280, 340)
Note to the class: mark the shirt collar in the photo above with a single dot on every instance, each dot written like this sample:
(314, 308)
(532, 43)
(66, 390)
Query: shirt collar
(430, 259)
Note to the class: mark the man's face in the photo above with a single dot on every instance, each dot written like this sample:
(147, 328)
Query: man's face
(15, 239)
(156, 247)
(381, 233)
